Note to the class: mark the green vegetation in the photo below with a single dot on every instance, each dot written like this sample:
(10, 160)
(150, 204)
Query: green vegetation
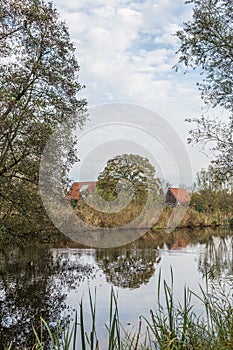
(212, 199)
(105, 219)
(193, 218)
(130, 173)
(36, 280)
(211, 205)
(171, 326)
(206, 209)
(206, 44)
(125, 187)
(38, 92)
(212, 195)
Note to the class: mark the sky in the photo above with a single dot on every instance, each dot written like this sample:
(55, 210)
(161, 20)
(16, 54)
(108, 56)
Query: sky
(126, 51)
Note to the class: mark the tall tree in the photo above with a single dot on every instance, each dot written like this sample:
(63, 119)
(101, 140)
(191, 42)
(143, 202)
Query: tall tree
(38, 92)
(136, 170)
(207, 44)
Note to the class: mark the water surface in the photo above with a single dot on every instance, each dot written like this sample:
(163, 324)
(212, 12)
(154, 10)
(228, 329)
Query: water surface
(38, 281)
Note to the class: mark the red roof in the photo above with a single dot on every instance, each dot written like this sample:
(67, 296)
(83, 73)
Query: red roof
(76, 189)
(179, 244)
(180, 194)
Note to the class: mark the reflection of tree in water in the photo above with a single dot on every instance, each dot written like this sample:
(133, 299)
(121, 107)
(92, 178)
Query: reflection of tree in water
(180, 238)
(127, 268)
(73, 267)
(177, 239)
(218, 257)
(33, 283)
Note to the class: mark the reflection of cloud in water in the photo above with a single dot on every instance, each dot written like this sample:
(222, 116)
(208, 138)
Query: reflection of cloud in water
(37, 281)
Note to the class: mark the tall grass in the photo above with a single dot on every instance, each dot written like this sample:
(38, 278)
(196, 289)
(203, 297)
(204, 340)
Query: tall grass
(171, 326)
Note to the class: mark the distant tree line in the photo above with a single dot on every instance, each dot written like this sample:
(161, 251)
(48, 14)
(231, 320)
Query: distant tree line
(211, 193)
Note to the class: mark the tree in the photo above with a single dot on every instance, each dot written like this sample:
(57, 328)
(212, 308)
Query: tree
(38, 92)
(210, 194)
(207, 44)
(136, 170)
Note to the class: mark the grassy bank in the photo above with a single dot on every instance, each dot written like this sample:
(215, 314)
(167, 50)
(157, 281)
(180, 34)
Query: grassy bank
(171, 325)
(107, 219)
(192, 217)
(24, 233)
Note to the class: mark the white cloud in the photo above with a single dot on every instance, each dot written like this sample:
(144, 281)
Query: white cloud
(126, 51)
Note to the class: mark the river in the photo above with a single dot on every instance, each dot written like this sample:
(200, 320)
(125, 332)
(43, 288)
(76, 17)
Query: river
(41, 281)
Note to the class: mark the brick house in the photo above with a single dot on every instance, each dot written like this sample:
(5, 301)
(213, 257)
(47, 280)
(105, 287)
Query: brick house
(177, 196)
(79, 190)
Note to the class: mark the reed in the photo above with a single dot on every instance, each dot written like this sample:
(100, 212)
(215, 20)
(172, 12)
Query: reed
(171, 326)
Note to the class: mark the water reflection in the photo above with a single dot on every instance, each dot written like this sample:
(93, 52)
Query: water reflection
(38, 281)
(217, 261)
(34, 282)
(27, 291)
(127, 268)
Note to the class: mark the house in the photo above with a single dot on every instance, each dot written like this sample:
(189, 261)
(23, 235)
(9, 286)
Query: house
(80, 190)
(177, 196)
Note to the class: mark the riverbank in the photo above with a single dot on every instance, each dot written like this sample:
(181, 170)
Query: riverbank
(51, 237)
(153, 238)
(47, 234)
(191, 219)
(194, 219)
